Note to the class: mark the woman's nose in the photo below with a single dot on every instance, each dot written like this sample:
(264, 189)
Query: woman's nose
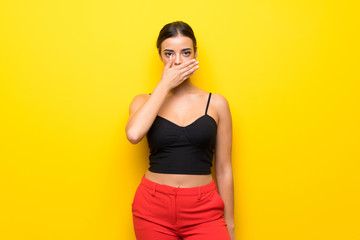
(177, 60)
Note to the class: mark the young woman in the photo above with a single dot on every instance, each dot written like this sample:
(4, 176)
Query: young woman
(177, 197)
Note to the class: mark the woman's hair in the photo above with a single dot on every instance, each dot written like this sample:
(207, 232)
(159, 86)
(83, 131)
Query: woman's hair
(174, 29)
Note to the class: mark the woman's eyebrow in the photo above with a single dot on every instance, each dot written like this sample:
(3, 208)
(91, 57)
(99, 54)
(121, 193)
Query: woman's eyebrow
(169, 50)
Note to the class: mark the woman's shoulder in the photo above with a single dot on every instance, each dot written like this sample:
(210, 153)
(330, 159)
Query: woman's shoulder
(220, 104)
(219, 100)
(141, 97)
(138, 100)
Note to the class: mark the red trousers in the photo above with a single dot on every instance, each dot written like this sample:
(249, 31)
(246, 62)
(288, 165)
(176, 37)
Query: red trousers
(163, 212)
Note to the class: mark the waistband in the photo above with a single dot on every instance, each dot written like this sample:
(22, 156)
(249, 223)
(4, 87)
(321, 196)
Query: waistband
(157, 187)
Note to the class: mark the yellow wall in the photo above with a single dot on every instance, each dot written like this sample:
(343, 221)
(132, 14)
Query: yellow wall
(69, 70)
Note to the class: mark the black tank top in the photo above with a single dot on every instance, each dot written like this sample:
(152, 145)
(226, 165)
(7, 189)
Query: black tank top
(182, 149)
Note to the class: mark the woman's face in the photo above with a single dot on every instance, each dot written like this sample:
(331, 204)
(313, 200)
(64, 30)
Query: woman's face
(180, 48)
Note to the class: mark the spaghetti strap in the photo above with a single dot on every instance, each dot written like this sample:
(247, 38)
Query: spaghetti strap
(208, 103)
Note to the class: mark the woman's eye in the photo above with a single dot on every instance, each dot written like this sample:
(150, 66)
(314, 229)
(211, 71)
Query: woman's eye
(168, 54)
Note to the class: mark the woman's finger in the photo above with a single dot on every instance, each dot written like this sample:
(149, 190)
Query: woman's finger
(189, 67)
(171, 61)
(185, 64)
(190, 72)
(168, 64)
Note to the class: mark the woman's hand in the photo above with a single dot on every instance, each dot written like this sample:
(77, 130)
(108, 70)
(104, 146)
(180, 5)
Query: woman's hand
(232, 233)
(173, 76)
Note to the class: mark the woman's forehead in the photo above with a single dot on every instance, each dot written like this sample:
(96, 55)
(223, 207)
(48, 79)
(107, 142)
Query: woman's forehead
(177, 43)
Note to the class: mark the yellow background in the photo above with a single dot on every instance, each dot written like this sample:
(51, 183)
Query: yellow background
(69, 70)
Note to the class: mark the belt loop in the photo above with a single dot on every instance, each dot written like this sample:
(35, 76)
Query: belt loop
(153, 193)
(199, 196)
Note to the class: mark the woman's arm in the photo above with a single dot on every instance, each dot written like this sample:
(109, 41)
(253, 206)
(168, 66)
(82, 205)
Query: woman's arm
(143, 109)
(142, 113)
(223, 168)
